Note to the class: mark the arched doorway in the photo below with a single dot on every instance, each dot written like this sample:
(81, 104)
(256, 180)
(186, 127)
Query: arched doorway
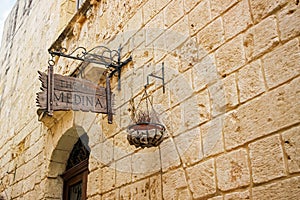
(75, 175)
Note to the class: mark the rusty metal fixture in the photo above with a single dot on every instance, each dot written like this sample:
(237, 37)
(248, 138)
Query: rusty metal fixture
(146, 131)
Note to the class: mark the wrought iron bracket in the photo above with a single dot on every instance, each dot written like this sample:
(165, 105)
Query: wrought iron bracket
(162, 78)
(101, 55)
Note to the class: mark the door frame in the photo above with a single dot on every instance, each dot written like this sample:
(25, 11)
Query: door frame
(77, 173)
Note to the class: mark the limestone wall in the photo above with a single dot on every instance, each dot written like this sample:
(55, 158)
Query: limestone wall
(230, 108)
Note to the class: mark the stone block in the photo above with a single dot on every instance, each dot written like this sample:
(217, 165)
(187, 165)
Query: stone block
(135, 22)
(261, 38)
(180, 88)
(184, 194)
(245, 195)
(237, 19)
(123, 171)
(149, 10)
(93, 186)
(169, 156)
(261, 9)
(233, 170)
(189, 146)
(201, 179)
(217, 98)
(145, 162)
(154, 28)
(199, 17)
(219, 7)
(282, 64)
(173, 12)
(112, 195)
(193, 114)
(230, 56)
(188, 54)
(155, 187)
(212, 36)
(108, 178)
(266, 159)
(189, 4)
(176, 35)
(140, 190)
(291, 139)
(289, 21)
(173, 181)
(204, 73)
(121, 146)
(107, 154)
(212, 137)
(250, 81)
(262, 116)
(282, 189)
(231, 91)
(125, 192)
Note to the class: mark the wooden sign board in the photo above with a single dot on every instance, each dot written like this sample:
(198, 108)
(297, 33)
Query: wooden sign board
(72, 94)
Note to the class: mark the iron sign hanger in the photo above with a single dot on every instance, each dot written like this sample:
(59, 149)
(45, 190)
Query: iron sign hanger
(102, 55)
(99, 55)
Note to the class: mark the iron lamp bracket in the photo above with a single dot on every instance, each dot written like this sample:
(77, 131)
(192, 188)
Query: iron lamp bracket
(162, 78)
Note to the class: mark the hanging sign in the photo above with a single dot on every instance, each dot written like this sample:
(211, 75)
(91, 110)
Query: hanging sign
(71, 93)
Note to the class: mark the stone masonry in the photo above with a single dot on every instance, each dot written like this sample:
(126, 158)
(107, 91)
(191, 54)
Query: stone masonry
(231, 106)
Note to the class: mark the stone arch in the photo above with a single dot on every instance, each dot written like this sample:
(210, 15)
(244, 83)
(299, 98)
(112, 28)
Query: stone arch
(61, 138)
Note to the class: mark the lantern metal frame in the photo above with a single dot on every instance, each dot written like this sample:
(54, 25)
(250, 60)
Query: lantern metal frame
(146, 131)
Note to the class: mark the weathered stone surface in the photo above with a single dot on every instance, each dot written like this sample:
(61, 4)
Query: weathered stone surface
(204, 73)
(249, 121)
(140, 189)
(94, 178)
(173, 181)
(230, 56)
(169, 155)
(216, 198)
(217, 98)
(238, 196)
(291, 139)
(123, 171)
(189, 4)
(184, 194)
(154, 28)
(289, 21)
(188, 54)
(237, 19)
(201, 179)
(282, 64)
(266, 159)
(261, 38)
(218, 7)
(112, 195)
(263, 8)
(250, 81)
(189, 146)
(155, 187)
(176, 35)
(173, 12)
(212, 36)
(199, 16)
(282, 189)
(144, 163)
(233, 170)
(231, 91)
(212, 137)
(108, 178)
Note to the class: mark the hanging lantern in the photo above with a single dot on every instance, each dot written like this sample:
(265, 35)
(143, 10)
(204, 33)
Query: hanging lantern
(146, 131)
